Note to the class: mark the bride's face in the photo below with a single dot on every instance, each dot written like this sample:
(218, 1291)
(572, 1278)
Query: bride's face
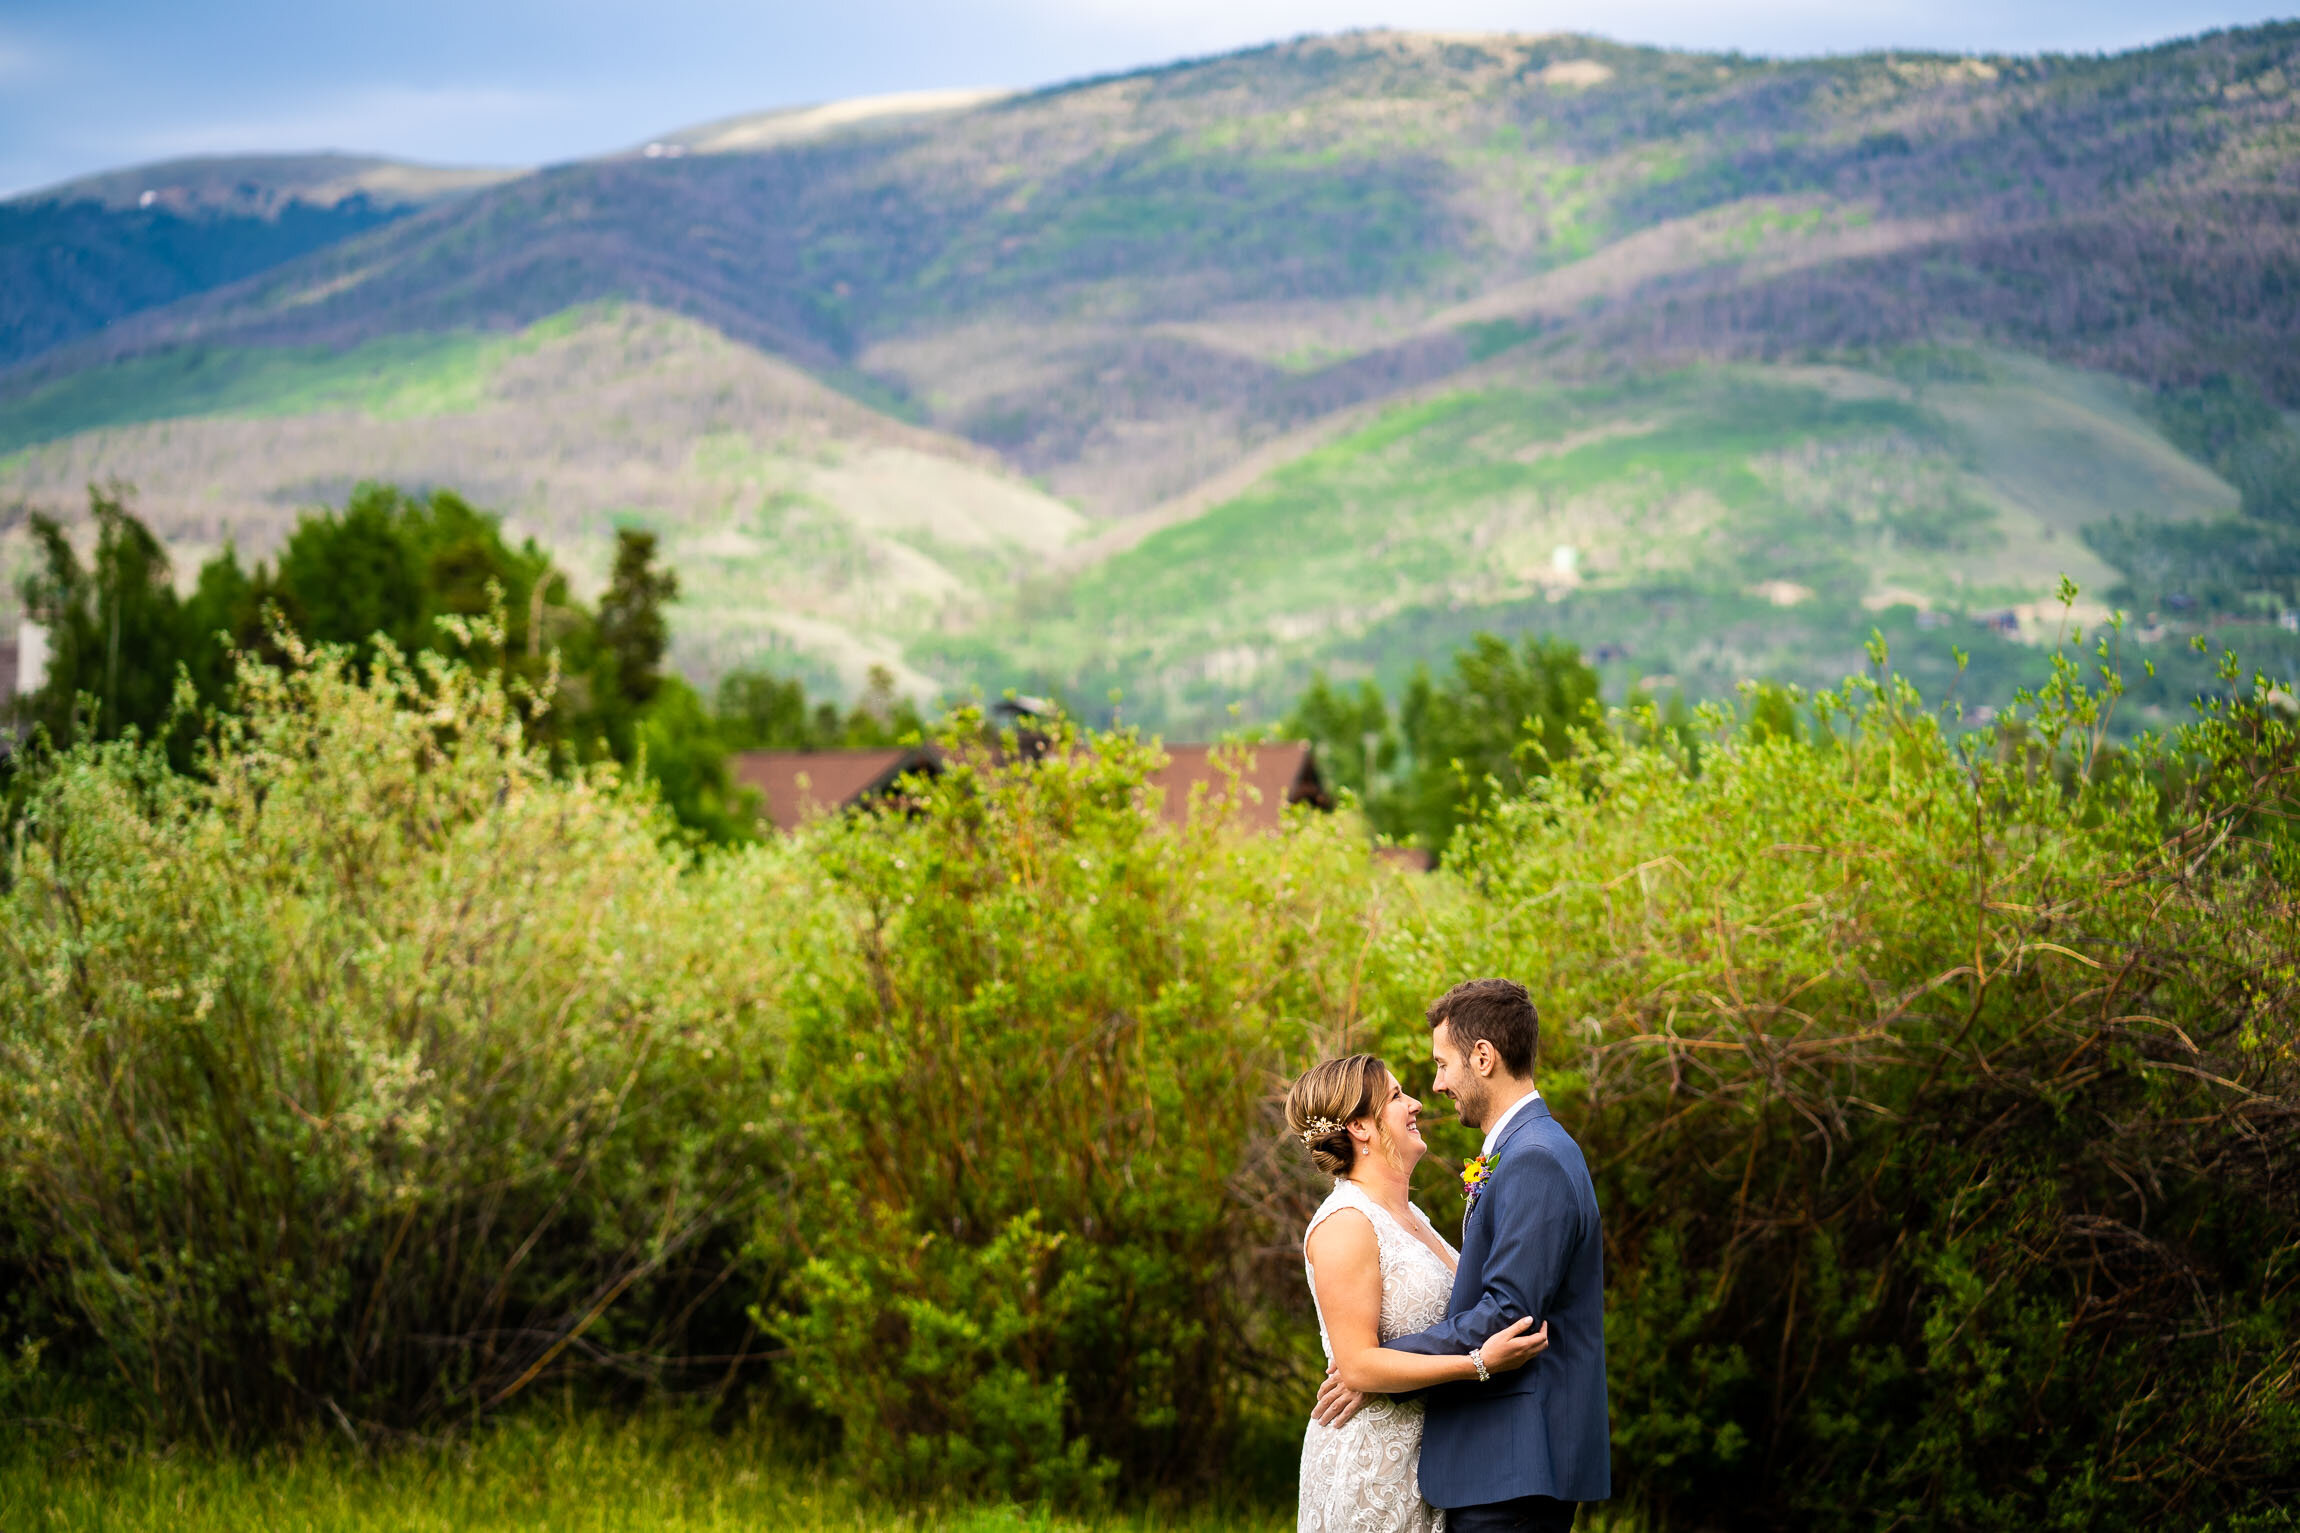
(1400, 1129)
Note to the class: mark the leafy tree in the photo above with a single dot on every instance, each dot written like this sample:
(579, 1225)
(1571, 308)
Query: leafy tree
(393, 564)
(55, 595)
(116, 631)
(349, 578)
(388, 567)
(881, 716)
(1495, 724)
(635, 713)
(470, 571)
(762, 712)
(1357, 744)
(1497, 720)
(1351, 729)
(224, 613)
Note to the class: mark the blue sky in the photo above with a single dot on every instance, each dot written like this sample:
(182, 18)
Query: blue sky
(93, 84)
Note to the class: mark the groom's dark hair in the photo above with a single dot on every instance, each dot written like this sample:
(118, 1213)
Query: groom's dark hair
(1496, 1010)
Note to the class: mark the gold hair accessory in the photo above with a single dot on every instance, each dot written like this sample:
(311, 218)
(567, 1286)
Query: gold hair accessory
(1318, 1128)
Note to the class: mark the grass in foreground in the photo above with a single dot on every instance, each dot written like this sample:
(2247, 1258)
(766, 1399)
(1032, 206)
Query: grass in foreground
(571, 1476)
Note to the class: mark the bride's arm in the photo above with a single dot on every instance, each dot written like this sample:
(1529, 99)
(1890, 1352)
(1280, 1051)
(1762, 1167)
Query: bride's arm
(1346, 1265)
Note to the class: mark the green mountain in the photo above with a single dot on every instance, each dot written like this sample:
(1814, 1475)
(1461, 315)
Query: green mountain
(1694, 527)
(809, 531)
(1334, 349)
(76, 257)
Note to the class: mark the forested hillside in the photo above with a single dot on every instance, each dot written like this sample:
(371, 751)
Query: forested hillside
(76, 257)
(804, 524)
(1164, 294)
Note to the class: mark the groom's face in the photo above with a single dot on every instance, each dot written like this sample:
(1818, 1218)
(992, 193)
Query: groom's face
(1456, 1078)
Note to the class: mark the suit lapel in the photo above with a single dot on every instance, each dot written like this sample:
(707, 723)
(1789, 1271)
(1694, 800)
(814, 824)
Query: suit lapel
(1537, 1108)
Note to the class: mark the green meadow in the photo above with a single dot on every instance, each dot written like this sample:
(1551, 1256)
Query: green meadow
(573, 1474)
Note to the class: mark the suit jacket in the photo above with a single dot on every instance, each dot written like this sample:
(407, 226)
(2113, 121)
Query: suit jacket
(1532, 1245)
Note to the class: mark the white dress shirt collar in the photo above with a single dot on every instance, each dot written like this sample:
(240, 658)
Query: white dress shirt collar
(1502, 1122)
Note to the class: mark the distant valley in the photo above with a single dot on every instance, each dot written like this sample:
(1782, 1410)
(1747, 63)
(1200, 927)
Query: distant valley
(1192, 382)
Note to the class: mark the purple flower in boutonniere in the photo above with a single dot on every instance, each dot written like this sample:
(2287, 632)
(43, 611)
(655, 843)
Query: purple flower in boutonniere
(1473, 1177)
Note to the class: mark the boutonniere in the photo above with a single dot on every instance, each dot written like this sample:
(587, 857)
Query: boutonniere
(1473, 1177)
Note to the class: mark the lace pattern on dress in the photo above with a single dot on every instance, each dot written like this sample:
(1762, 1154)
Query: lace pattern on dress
(1364, 1476)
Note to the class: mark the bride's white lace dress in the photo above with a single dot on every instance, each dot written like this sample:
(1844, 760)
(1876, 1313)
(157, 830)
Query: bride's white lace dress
(1364, 1476)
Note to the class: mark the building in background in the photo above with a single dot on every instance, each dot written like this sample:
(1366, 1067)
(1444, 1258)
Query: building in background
(23, 671)
(799, 785)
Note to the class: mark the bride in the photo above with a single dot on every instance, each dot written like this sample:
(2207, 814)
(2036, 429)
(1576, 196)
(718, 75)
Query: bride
(1377, 1270)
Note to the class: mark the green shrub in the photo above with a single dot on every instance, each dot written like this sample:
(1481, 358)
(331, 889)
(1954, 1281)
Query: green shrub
(1940, 1101)
(1941, 1097)
(376, 1072)
(1049, 1242)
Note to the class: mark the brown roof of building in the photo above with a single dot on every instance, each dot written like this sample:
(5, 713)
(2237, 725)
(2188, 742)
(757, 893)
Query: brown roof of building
(1278, 773)
(799, 785)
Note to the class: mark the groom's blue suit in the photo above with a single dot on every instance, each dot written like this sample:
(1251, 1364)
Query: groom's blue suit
(1531, 1246)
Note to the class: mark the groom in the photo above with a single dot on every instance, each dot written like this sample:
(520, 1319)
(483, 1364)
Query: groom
(1521, 1450)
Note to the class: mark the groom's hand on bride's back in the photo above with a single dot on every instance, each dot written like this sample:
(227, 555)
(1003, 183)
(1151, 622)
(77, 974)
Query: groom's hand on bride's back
(1337, 1402)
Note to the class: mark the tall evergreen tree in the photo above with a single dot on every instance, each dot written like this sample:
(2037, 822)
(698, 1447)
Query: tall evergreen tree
(632, 631)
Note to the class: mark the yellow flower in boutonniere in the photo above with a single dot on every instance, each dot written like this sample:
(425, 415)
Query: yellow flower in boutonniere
(1473, 1177)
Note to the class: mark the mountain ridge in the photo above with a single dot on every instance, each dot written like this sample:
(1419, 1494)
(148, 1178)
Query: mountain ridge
(85, 254)
(1028, 271)
(1156, 294)
(255, 183)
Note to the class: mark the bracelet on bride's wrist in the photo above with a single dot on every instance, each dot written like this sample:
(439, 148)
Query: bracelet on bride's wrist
(1477, 1361)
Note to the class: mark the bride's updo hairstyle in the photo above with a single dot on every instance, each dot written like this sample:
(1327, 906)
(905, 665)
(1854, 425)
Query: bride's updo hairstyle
(1330, 1097)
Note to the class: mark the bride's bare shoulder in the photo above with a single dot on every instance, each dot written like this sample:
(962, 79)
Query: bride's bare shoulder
(1342, 1234)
